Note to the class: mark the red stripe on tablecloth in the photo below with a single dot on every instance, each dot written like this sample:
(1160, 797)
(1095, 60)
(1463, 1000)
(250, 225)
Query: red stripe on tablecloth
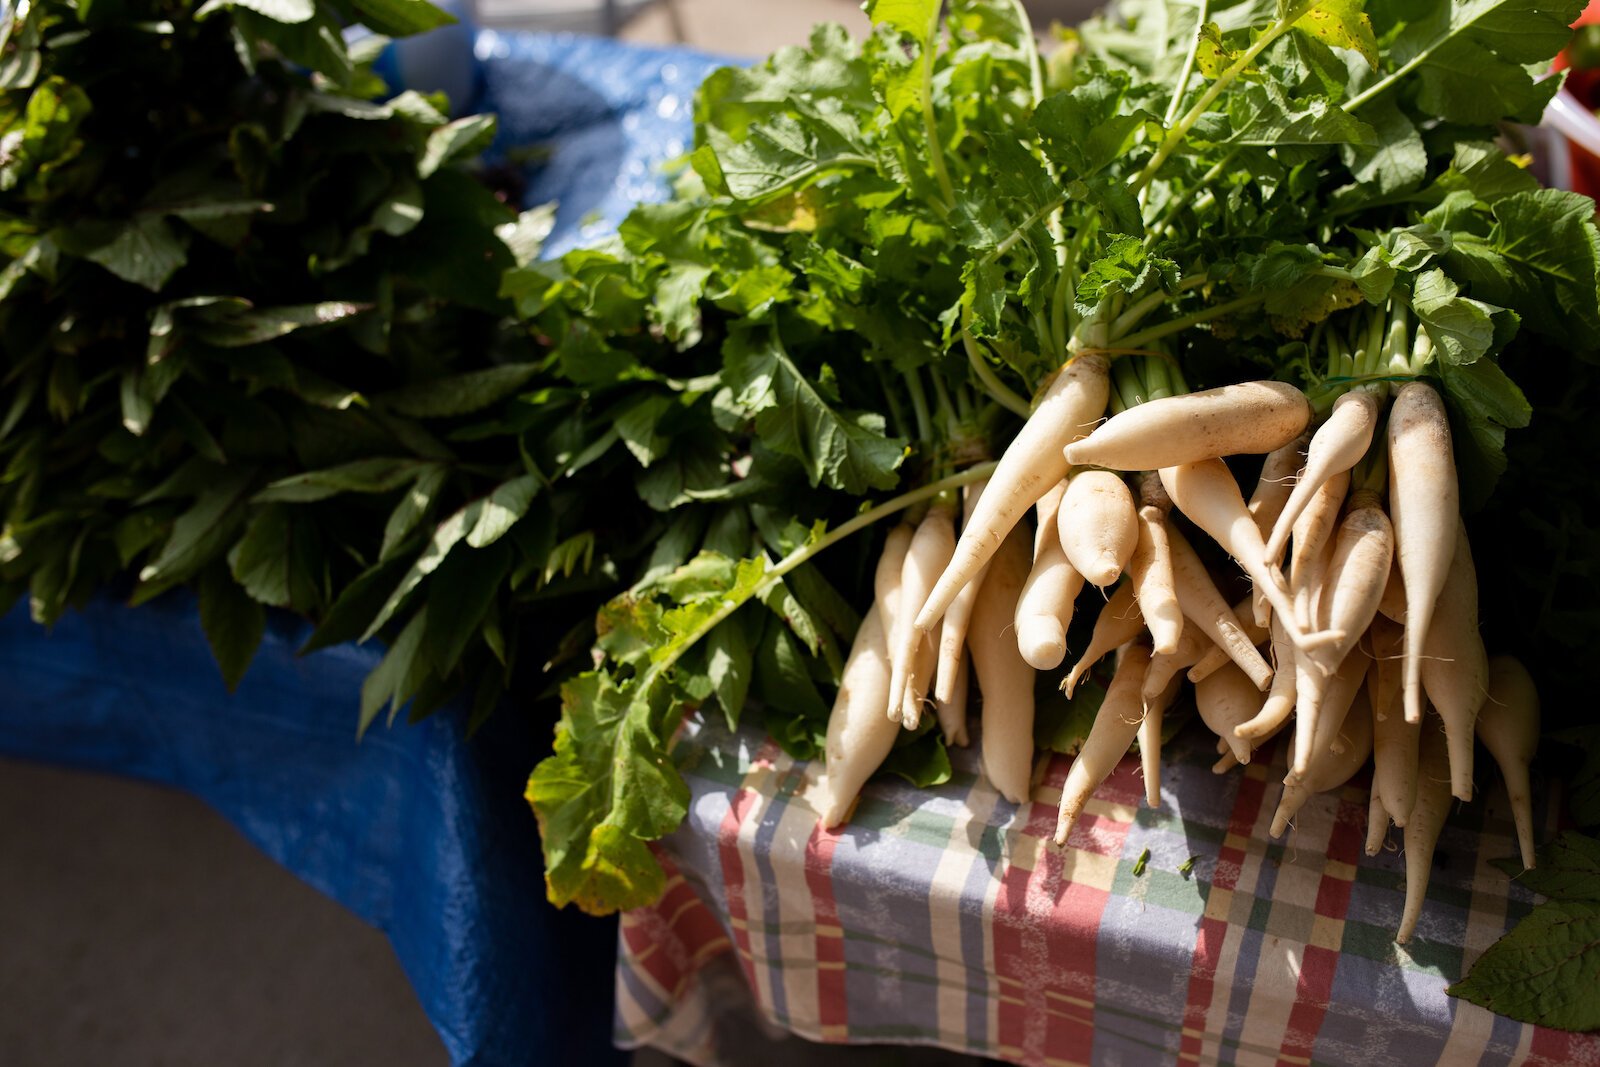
(1319, 964)
(1075, 930)
(1021, 959)
(733, 876)
(832, 1006)
(1551, 1048)
(672, 938)
(1208, 942)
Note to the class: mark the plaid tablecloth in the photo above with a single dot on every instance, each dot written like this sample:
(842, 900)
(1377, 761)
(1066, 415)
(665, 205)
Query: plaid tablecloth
(944, 917)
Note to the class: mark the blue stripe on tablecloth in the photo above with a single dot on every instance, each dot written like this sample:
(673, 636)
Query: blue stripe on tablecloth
(882, 900)
(987, 860)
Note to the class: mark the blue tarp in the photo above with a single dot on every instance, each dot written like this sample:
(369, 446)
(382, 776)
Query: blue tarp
(416, 829)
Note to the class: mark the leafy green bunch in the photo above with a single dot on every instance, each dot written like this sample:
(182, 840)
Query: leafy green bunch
(880, 251)
(254, 343)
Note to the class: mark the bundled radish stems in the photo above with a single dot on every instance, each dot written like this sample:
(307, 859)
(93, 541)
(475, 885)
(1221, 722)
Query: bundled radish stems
(1359, 631)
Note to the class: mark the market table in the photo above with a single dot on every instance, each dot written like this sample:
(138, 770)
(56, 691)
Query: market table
(945, 917)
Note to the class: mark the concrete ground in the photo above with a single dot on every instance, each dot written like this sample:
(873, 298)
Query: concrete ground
(137, 928)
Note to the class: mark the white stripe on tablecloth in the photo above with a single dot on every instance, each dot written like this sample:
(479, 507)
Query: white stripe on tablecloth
(1277, 977)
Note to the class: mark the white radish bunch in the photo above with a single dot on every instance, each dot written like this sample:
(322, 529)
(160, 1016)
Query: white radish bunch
(1361, 610)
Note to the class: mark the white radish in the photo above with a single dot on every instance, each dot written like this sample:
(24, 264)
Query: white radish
(953, 634)
(1099, 525)
(1204, 606)
(1206, 492)
(1455, 667)
(1276, 482)
(859, 736)
(1333, 766)
(1118, 623)
(1337, 446)
(1393, 604)
(1321, 704)
(886, 580)
(1216, 658)
(1394, 741)
(914, 656)
(1508, 726)
(1151, 567)
(1005, 681)
(1425, 504)
(1356, 571)
(1044, 610)
(1280, 698)
(1030, 468)
(1377, 817)
(1313, 544)
(1235, 419)
(1150, 738)
(1226, 699)
(1427, 820)
(1115, 726)
(1164, 666)
(952, 710)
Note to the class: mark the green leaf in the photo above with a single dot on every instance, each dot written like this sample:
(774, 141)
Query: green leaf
(233, 624)
(289, 11)
(1343, 24)
(463, 137)
(1263, 115)
(460, 596)
(402, 18)
(1568, 868)
(1484, 403)
(639, 427)
(1461, 329)
(1542, 258)
(199, 535)
(479, 524)
(1212, 55)
(839, 449)
(395, 677)
(1546, 971)
(413, 508)
(263, 560)
(232, 326)
(377, 475)
(1470, 58)
(1398, 160)
(1124, 267)
(145, 252)
(923, 761)
(608, 787)
(358, 603)
(460, 394)
(786, 152)
(730, 662)
(1085, 130)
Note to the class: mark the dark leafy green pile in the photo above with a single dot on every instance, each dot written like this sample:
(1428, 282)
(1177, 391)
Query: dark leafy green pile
(254, 344)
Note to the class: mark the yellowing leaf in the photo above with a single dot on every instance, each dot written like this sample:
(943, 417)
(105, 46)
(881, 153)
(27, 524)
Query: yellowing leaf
(1342, 24)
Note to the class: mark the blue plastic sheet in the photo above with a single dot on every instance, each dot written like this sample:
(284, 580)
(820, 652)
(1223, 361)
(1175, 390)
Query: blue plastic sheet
(601, 121)
(416, 829)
